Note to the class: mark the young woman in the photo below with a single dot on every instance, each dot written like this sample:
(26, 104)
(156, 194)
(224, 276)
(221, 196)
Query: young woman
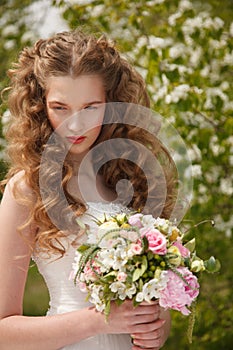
(64, 87)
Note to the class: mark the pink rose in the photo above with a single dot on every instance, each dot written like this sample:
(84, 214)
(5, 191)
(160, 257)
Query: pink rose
(134, 220)
(156, 240)
(121, 276)
(177, 295)
(136, 248)
(183, 251)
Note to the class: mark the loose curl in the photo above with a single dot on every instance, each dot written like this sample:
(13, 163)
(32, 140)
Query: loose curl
(74, 53)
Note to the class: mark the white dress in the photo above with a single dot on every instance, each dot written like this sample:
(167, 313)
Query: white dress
(65, 296)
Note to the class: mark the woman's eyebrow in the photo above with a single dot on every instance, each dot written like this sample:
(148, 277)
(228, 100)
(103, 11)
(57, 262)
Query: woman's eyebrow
(57, 102)
(94, 102)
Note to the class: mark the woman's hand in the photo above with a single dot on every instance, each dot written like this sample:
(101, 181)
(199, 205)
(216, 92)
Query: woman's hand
(153, 339)
(127, 318)
(156, 334)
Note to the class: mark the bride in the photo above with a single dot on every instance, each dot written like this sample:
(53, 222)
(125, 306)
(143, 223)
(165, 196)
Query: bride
(79, 146)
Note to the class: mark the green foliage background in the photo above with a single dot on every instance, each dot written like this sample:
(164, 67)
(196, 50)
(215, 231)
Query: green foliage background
(202, 67)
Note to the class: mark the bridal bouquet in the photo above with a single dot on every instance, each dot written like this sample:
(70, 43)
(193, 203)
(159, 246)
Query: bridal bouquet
(142, 258)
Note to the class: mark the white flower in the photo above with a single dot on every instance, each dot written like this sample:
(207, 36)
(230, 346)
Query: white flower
(196, 56)
(196, 171)
(226, 186)
(139, 297)
(120, 257)
(107, 258)
(158, 43)
(148, 221)
(185, 5)
(179, 92)
(96, 295)
(194, 153)
(154, 2)
(177, 50)
(10, 30)
(217, 23)
(99, 235)
(231, 29)
(163, 225)
(108, 225)
(197, 265)
(152, 288)
(228, 58)
(119, 288)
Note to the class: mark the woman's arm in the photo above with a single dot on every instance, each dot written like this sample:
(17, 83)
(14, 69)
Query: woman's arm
(50, 332)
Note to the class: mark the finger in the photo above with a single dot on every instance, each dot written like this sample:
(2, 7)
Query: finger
(147, 309)
(145, 318)
(135, 347)
(151, 302)
(154, 341)
(148, 328)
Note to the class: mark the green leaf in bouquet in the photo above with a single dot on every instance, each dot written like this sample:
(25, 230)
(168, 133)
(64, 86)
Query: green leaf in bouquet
(107, 309)
(212, 265)
(138, 272)
(109, 277)
(190, 245)
(145, 244)
(119, 302)
(81, 224)
(140, 284)
(83, 248)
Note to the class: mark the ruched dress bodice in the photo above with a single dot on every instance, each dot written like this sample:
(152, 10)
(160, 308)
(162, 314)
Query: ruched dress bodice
(65, 296)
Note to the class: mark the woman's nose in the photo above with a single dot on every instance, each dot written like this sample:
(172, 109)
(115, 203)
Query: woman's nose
(85, 120)
(76, 123)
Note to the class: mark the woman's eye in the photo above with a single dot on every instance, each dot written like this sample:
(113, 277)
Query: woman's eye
(90, 107)
(59, 108)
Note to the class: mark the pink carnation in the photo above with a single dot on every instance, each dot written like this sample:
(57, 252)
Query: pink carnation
(177, 295)
(183, 251)
(134, 220)
(157, 241)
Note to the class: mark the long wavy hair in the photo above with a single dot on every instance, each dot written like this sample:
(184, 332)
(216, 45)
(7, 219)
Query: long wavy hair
(72, 54)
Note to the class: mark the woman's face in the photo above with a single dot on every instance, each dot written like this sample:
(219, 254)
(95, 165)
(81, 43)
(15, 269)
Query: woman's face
(75, 108)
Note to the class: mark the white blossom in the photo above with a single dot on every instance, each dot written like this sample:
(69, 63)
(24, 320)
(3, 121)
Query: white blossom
(178, 93)
(231, 29)
(196, 56)
(185, 5)
(196, 171)
(9, 44)
(194, 153)
(152, 288)
(154, 2)
(177, 50)
(228, 58)
(10, 29)
(172, 18)
(226, 186)
(142, 41)
(159, 43)
(148, 221)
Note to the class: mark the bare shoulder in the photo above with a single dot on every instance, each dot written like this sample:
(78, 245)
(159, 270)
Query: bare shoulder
(14, 210)
(20, 181)
(16, 241)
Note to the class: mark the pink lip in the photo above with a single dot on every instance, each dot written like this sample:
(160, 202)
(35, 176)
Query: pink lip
(76, 139)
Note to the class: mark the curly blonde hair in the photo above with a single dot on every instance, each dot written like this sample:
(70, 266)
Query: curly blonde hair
(72, 54)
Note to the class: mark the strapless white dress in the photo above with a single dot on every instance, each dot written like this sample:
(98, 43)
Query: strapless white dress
(65, 296)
